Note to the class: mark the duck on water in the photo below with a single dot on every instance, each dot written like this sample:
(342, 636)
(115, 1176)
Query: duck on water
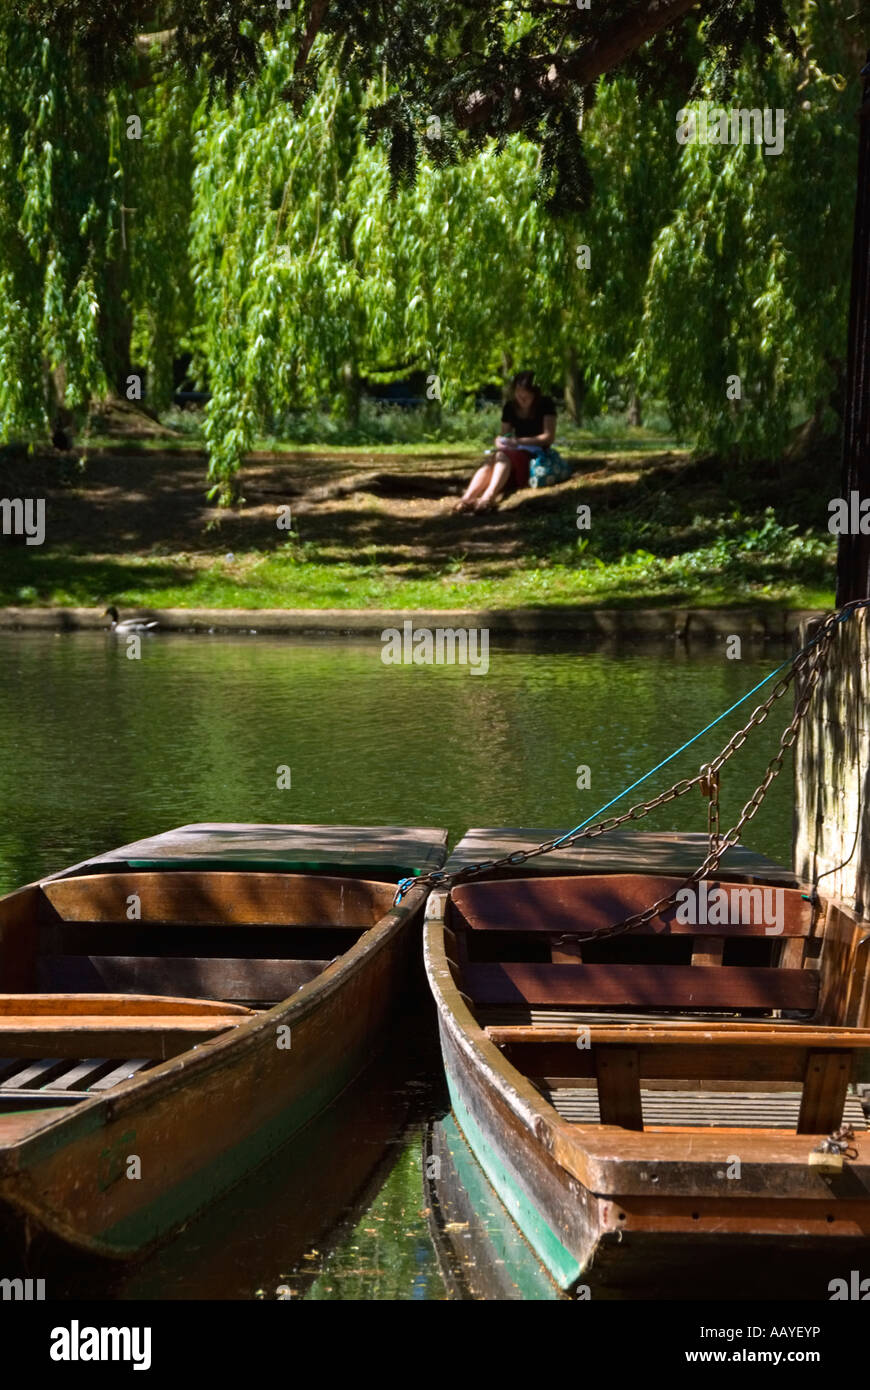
(128, 624)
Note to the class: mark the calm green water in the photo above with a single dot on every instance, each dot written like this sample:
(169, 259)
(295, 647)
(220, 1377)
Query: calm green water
(97, 750)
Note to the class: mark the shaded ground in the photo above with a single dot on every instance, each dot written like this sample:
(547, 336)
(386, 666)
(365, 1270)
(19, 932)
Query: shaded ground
(155, 503)
(136, 520)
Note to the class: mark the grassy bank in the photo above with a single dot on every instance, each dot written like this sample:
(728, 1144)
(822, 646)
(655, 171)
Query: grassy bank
(372, 527)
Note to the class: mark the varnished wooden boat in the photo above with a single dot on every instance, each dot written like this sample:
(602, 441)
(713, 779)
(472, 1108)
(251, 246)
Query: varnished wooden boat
(173, 1011)
(646, 1107)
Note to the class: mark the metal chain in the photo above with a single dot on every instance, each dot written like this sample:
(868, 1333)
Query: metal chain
(809, 664)
(815, 664)
(841, 1141)
(710, 789)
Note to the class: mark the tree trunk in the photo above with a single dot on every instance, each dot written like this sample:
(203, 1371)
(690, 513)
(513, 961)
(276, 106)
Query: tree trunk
(55, 395)
(116, 327)
(635, 415)
(575, 389)
(351, 390)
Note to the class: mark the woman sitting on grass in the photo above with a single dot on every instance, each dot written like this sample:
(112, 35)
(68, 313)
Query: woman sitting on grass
(528, 425)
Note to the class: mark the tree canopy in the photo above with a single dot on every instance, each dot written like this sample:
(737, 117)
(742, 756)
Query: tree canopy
(479, 70)
(231, 181)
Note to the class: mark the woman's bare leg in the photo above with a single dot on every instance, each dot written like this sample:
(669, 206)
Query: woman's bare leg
(501, 472)
(476, 488)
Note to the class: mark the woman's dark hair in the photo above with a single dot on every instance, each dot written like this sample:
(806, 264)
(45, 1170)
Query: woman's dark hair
(525, 380)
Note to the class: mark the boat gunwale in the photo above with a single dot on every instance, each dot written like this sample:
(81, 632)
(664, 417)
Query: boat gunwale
(471, 1037)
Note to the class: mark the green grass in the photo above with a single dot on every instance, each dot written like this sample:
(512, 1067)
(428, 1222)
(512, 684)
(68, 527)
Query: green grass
(611, 436)
(282, 580)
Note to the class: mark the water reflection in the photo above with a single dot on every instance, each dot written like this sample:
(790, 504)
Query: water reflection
(97, 750)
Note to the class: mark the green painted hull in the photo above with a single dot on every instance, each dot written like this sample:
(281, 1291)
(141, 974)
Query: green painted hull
(561, 1264)
(502, 1263)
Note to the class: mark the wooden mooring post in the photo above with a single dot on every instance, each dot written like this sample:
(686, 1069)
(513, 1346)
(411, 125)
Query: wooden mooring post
(832, 754)
(832, 773)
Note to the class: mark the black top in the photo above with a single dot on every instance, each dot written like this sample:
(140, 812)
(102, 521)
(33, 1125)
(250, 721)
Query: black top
(527, 426)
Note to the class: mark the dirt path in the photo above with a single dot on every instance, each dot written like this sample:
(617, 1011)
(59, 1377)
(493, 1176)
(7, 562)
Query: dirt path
(349, 506)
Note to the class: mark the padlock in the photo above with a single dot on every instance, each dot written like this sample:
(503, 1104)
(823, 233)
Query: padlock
(828, 1162)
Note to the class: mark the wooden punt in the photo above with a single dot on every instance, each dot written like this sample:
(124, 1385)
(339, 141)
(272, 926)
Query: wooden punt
(172, 1012)
(645, 1108)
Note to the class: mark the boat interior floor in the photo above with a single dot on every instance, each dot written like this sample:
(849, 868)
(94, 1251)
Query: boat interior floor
(701, 1109)
(506, 1014)
(54, 1081)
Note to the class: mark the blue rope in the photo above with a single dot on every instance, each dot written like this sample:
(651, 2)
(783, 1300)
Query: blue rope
(670, 758)
(847, 612)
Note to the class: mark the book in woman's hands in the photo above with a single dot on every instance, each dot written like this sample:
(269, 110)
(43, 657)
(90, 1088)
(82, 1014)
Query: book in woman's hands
(507, 442)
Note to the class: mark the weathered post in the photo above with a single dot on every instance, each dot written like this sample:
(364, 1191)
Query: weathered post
(832, 773)
(832, 755)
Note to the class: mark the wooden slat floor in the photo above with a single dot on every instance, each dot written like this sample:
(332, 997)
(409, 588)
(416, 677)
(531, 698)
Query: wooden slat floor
(505, 1015)
(701, 1109)
(64, 1077)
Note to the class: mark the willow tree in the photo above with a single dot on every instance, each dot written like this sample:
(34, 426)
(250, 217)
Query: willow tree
(280, 322)
(593, 263)
(450, 268)
(490, 278)
(314, 259)
(308, 274)
(310, 271)
(156, 232)
(746, 301)
(61, 190)
(484, 68)
(93, 232)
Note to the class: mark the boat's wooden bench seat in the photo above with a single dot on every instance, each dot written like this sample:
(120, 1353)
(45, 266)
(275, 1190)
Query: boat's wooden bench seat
(643, 986)
(591, 901)
(99, 1005)
(766, 925)
(252, 937)
(251, 979)
(41, 1027)
(618, 1056)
